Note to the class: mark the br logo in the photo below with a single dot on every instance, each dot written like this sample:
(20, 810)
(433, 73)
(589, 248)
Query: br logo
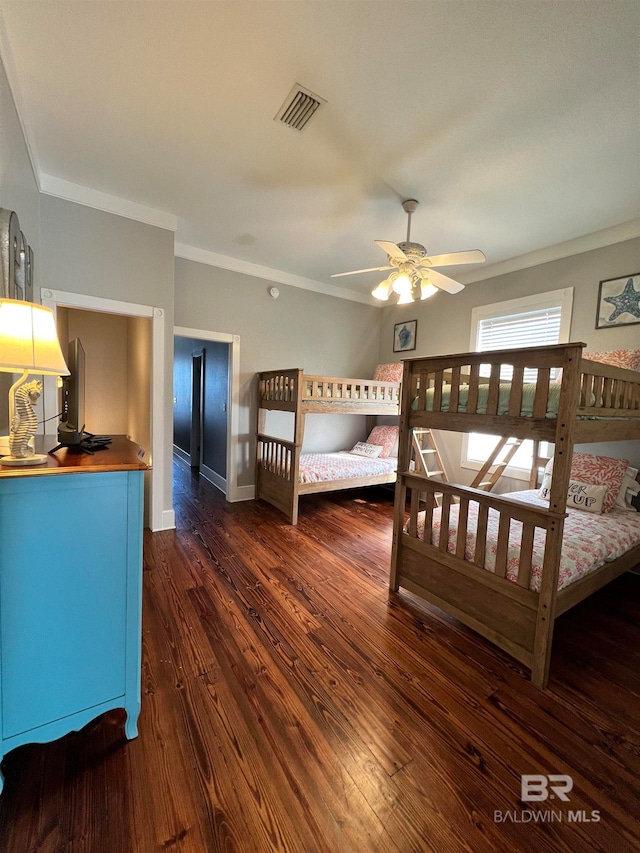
(535, 788)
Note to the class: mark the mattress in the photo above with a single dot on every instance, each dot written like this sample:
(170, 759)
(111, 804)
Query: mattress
(588, 541)
(526, 410)
(318, 467)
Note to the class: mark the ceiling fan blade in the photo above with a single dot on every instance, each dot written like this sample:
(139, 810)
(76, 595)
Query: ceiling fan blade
(442, 281)
(391, 249)
(355, 272)
(473, 256)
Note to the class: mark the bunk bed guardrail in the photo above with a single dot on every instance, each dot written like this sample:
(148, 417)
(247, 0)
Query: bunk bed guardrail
(289, 387)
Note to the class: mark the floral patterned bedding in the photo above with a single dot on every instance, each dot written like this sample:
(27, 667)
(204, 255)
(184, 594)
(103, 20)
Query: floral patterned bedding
(587, 543)
(317, 467)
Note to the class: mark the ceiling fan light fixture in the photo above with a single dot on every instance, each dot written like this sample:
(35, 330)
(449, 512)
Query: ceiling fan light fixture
(402, 284)
(411, 279)
(381, 292)
(427, 289)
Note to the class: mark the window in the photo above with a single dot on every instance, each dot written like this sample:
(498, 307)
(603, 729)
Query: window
(537, 320)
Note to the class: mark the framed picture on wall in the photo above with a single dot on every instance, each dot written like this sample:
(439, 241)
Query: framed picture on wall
(619, 301)
(404, 336)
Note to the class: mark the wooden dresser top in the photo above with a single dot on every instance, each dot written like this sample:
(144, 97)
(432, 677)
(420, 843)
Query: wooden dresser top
(121, 455)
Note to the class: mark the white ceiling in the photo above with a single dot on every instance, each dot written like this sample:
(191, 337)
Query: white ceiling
(515, 124)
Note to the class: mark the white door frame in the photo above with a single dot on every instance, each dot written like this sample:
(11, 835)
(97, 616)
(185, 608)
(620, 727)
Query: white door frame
(231, 492)
(58, 298)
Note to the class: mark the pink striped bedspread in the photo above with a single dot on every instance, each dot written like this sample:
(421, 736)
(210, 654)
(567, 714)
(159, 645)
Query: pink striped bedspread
(319, 467)
(588, 542)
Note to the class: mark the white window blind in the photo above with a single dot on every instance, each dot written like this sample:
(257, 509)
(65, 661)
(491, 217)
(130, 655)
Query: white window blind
(529, 328)
(530, 322)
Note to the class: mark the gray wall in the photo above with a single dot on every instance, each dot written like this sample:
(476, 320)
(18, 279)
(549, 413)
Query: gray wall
(95, 253)
(18, 192)
(318, 333)
(444, 322)
(18, 186)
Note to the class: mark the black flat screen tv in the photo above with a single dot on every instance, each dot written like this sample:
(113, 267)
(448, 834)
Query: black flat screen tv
(71, 427)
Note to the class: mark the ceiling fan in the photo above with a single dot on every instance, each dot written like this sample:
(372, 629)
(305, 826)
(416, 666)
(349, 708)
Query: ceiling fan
(415, 276)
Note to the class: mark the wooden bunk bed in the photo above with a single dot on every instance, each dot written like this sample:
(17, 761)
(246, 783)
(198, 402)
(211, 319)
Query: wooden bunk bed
(433, 556)
(278, 460)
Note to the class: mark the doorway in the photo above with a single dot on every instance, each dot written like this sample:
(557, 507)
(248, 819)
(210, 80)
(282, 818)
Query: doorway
(148, 370)
(205, 403)
(197, 409)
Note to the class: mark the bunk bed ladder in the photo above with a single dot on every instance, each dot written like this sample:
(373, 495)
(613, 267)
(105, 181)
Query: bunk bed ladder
(487, 478)
(427, 457)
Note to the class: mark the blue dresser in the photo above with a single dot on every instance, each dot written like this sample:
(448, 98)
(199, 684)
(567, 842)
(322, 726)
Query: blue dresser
(70, 593)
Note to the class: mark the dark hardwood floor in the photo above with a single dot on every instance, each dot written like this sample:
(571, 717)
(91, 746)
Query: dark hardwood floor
(290, 703)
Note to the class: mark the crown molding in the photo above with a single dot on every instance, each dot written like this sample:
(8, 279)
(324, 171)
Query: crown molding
(213, 259)
(50, 185)
(587, 243)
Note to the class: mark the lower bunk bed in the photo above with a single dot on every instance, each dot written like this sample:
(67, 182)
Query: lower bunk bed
(284, 473)
(481, 558)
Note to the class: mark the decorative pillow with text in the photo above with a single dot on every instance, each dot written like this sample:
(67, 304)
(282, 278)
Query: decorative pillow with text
(597, 471)
(580, 495)
(362, 448)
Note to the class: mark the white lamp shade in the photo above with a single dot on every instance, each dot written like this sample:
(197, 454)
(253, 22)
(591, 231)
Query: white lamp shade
(402, 284)
(381, 292)
(29, 340)
(427, 289)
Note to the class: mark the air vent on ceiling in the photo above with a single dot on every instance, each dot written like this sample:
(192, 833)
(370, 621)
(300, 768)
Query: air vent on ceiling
(299, 105)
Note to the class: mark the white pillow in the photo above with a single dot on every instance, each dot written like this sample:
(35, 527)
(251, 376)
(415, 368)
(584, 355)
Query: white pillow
(580, 495)
(586, 496)
(361, 448)
(628, 489)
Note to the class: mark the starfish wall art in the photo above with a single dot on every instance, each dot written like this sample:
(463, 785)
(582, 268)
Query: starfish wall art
(619, 301)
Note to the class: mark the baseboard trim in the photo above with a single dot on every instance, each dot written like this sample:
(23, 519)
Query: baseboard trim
(214, 478)
(168, 521)
(181, 454)
(243, 493)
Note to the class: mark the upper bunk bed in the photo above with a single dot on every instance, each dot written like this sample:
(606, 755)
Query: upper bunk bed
(294, 391)
(495, 561)
(468, 392)
(283, 471)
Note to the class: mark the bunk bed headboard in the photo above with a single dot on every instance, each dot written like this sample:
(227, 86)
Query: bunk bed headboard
(280, 389)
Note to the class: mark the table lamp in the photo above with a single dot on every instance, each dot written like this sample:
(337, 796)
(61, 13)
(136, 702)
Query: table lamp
(28, 344)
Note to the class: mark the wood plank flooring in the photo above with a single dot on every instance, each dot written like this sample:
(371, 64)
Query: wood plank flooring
(289, 703)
